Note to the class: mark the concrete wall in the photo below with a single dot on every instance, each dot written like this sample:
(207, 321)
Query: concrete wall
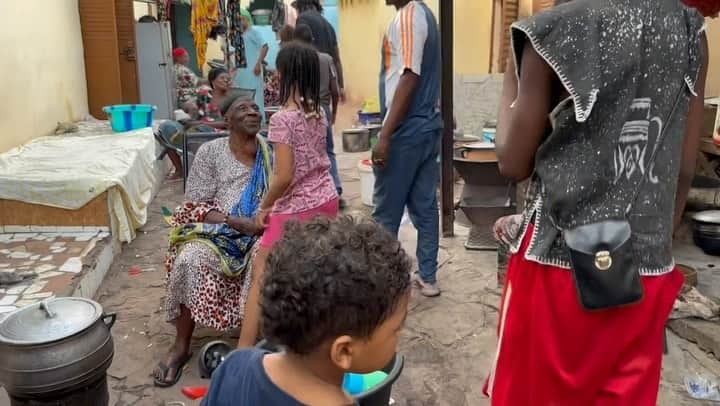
(477, 99)
(42, 67)
(713, 80)
(363, 24)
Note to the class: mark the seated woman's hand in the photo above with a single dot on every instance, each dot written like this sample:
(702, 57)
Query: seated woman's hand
(244, 225)
(261, 219)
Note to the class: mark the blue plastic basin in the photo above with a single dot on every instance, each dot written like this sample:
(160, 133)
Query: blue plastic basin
(126, 117)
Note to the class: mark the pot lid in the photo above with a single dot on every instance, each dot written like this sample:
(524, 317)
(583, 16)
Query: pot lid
(708, 216)
(356, 131)
(49, 320)
(480, 145)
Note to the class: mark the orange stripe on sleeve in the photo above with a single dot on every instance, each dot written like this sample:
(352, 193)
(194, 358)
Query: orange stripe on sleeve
(403, 32)
(408, 33)
(388, 55)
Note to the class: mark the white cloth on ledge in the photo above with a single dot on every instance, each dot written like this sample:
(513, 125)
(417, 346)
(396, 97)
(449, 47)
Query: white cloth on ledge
(69, 171)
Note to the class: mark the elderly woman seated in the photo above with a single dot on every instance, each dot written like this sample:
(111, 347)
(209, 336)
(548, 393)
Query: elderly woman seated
(211, 246)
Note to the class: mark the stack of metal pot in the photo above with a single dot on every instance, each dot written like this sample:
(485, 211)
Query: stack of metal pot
(57, 352)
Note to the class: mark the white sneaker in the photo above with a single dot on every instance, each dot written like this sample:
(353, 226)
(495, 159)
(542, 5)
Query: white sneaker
(426, 289)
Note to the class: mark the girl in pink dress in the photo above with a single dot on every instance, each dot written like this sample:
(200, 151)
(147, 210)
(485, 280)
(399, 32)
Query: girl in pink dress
(301, 187)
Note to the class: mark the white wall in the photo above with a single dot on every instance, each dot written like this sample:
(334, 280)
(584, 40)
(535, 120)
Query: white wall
(42, 68)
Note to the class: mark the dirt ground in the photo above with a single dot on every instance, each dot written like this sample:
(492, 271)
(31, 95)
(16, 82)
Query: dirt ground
(449, 342)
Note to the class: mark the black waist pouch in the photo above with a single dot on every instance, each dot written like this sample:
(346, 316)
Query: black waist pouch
(603, 266)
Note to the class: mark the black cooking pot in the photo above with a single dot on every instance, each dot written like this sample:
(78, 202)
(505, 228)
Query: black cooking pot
(55, 346)
(706, 231)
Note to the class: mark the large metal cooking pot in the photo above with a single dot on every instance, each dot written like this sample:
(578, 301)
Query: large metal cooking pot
(706, 231)
(356, 140)
(55, 345)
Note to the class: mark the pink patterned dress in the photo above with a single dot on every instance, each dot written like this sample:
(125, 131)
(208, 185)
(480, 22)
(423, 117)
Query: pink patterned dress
(312, 184)
(312, 191)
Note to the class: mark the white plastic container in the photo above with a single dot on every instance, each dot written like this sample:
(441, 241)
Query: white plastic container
(367, 181)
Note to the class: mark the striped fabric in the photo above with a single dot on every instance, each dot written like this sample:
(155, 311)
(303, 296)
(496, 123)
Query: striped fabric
(403, 46)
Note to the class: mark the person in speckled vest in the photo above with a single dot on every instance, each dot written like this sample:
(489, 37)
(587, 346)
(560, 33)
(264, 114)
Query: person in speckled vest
(601, 109)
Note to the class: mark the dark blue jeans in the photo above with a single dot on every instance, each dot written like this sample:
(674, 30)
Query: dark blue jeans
(331, 152)
(411, 179)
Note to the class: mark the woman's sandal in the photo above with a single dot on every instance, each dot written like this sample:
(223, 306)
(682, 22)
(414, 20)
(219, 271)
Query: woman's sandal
(161, 381)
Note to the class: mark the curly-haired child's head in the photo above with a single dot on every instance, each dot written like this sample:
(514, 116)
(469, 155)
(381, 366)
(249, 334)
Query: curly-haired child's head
(339, 285)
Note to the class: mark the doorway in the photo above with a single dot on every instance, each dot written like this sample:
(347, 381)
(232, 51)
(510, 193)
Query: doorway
(505, 12)
(108, 31)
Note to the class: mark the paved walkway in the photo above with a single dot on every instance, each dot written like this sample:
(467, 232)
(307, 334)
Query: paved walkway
(56, 259)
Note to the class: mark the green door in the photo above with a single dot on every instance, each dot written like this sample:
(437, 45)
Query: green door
(183, 36)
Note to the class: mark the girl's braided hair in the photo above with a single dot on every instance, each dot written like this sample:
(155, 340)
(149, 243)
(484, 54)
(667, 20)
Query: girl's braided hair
(299, 68)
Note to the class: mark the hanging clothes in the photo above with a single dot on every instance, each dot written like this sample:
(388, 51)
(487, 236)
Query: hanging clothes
(235, 30)
(278, 16)
(222, 12)
(163, 8)
(204, 17)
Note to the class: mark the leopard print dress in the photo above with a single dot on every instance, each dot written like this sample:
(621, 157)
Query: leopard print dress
(194, 279)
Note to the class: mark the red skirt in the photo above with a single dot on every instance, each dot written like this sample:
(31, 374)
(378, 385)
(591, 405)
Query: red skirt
(551, 351)
(276, 222)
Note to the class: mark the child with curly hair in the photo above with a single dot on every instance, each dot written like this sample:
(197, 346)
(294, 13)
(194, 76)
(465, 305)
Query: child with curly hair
(335, 299)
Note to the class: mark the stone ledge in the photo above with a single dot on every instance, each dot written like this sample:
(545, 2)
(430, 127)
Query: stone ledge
(65, 264)
(706, 334)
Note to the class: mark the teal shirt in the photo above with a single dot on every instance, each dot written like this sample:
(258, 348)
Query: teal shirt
(245, 78)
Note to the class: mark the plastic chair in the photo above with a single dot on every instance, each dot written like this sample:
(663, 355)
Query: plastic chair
(166, 145)
(191, 144)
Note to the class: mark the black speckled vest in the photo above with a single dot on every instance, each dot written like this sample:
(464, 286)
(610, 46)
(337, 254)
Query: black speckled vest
(623, 62)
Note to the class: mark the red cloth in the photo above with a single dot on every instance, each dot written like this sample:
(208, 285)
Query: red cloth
(179, 52)
(276, 221)
(554, 352)
(708, 8)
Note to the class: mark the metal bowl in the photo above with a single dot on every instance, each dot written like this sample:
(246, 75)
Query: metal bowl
(211, 356)
(706, 231)
(709, 243)
(707, 217)
(356, 140)
(706, 228)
